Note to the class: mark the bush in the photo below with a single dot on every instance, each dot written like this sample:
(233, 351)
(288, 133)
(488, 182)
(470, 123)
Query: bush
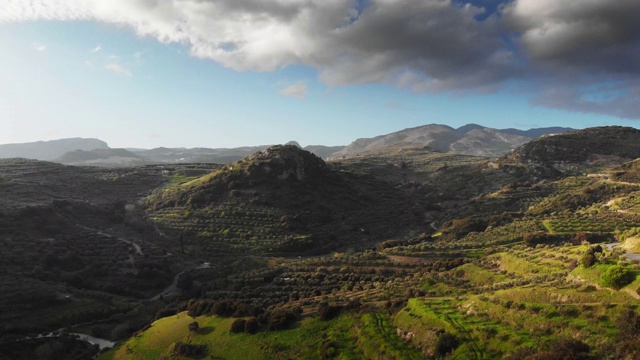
(588, 260)
(629, 349)
(328, 312)
(446, 344)
(184, 349)
(328, 350)
(251, 326)
(616, 277)
(194, 326)
(165, 313)
(281, 319)
(596, 237)
(538, 238)
(628, 325)
(238, 326)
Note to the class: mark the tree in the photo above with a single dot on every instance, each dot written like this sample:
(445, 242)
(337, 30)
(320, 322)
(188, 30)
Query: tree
(587, 260)
(616, 277)
(328, 312)
(446, 344)
(563, 349)
(184, 282)
(185, 349)
(238, 326)
(251, 326)
(194, 326)
(628, 325)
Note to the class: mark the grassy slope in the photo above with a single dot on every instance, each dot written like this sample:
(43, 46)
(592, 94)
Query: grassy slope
(354, 337)
(491, 313)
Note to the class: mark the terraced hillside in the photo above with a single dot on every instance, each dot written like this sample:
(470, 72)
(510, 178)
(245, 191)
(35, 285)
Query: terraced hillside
(283, 200)
(515, 261)
(399, 254)
(34, 183)
(77, 248)
(604, 145)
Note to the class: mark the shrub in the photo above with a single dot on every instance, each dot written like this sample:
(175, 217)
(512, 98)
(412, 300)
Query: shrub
(194, 326)
(238, 326)
(559, 349)
(165, 313)
(281, 319)
(251, 326)
(446, 344)
(328, 312)
(184, 349)
(328, 350)
(538, 238)
(629, 349)
(616, 277)
(628, 325)
(587, 260)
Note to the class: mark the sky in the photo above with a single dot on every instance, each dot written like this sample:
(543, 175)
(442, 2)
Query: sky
(230, 73)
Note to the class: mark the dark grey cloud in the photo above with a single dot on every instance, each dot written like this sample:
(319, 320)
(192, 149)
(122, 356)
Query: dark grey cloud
(584, 55)
(595, 35)
(427, 45)
(620, 99)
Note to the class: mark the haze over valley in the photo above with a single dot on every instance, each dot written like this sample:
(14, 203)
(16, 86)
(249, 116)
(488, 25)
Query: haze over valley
(470, 139)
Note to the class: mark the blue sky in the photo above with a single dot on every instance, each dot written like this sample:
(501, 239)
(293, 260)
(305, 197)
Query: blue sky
(122, 75)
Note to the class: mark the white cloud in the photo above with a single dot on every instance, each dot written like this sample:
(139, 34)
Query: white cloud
(297, 90)
(421, 45)
(117, 69)
(96, 49)
(39, 47)
(437, 44)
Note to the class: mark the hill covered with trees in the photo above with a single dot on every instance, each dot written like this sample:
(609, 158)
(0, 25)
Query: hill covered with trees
(403, 253)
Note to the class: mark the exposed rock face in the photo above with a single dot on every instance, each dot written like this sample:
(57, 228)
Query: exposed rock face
(286, 162)
(286, 170)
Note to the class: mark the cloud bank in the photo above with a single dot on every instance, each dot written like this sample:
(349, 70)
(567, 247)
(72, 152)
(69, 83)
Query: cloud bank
(585, 52)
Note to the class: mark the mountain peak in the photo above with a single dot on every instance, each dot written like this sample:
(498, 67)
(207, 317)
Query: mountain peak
(469, 127)
(294, 143)
(286, 162)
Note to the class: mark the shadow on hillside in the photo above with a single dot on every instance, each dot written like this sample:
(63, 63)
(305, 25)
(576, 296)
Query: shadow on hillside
(206, 330)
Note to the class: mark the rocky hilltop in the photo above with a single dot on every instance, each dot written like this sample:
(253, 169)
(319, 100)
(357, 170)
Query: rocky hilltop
(288, 199)
(612, 144)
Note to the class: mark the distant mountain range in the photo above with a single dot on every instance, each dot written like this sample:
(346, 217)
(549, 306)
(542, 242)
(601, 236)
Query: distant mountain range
(471, 139)
(49, 150)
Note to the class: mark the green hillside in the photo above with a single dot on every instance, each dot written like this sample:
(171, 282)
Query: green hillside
(403, 253)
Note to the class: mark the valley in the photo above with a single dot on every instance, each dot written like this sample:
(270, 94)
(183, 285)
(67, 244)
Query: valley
(401, 252)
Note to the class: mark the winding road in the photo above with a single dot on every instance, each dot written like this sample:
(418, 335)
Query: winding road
(630, 256)
(173, 287)
(100, 232)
